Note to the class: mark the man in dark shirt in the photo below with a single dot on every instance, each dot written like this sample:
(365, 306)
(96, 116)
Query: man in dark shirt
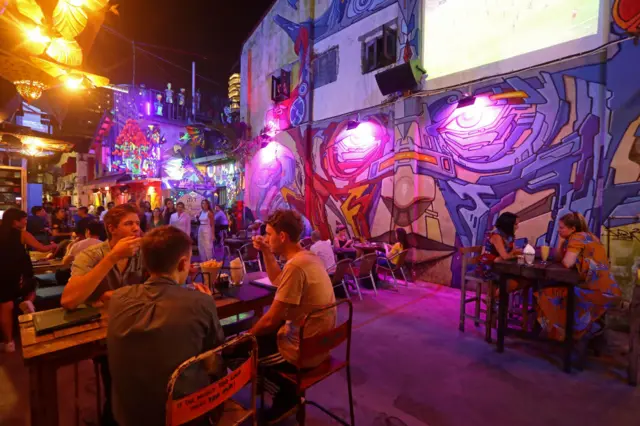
(156, 326)
(37, 224)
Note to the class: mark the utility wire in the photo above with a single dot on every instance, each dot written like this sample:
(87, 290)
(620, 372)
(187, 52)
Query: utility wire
(158, 57)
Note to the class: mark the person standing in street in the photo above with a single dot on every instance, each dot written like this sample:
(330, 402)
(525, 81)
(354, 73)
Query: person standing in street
(221, 223)
(181, 219)
(205, 232)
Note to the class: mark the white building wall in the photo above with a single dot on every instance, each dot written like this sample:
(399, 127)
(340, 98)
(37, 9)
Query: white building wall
(353, 90)
(267, 50)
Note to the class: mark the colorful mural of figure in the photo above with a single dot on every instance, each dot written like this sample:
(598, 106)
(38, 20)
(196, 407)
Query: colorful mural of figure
(538, 144)
(273, 173)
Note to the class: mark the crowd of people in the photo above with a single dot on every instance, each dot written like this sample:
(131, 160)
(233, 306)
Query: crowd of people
(137, 260)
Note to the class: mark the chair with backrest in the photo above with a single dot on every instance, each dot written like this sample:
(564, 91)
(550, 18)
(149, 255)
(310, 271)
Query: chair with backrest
(311, 347)
(393, 267)
(470, 258)
(306, 242)
(242, 234)
(220, 393)
(362, 268)
(338, 274)
(249, 255)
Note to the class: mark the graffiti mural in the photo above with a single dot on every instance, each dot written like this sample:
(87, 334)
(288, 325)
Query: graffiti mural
(538, 144)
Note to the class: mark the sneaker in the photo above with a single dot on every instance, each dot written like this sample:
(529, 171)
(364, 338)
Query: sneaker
(27, 307)
(8, 347)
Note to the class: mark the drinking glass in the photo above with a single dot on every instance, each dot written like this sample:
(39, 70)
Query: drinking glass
(544, 254)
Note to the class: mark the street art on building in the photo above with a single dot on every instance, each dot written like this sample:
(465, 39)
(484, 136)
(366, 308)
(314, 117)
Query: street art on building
(539, 144)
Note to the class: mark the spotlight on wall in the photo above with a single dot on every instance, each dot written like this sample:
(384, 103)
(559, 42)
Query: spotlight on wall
(466, 101)
(352, 124)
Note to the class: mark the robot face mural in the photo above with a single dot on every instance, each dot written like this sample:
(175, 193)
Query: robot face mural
(539, 144)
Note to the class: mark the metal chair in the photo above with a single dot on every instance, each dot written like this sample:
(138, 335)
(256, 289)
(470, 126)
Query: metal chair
(311, 347)
(205, 400)
(470, 257)
(306, 243)
(362, 268)
(396, 266)
(250, 256)
(338, 272)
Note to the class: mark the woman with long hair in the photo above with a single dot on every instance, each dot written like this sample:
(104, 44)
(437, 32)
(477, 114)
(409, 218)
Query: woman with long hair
(206, 231)
(390, 256)
(581, 249)
(169, 209)
(499, 245)
(16, 270)
(156, 219)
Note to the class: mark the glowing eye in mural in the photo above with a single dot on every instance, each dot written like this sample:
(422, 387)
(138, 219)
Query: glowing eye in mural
(354, 148)
(481, 115)
(357, 144)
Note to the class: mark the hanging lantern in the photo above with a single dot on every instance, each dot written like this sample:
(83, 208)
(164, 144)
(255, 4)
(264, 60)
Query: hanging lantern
(30, 90)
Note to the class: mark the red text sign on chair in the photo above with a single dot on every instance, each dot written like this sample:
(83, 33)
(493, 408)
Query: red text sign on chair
(198, 403)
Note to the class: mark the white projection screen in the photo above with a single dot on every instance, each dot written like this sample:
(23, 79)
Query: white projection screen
(464, 40)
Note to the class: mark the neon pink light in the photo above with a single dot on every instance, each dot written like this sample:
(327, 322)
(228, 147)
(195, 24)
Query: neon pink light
(269, 153)
(148, 105)
(362, 137)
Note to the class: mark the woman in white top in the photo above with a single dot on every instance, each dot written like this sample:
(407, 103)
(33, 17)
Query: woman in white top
(181, 219)
(205, 231)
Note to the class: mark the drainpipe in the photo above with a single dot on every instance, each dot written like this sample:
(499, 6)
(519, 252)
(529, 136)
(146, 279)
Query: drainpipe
(308, 134)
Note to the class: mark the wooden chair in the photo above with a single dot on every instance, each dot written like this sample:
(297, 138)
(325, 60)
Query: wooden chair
(362, 268)
(634, 336)
(470, 257)
(205, 400)
(338, 272)
(393, 267)
(313, 346)
(249, 255)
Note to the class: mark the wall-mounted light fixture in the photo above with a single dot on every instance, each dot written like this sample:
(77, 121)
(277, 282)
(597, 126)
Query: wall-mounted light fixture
(466, 101)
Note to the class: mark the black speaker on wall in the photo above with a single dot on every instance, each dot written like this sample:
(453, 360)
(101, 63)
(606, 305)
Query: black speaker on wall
(400, 78)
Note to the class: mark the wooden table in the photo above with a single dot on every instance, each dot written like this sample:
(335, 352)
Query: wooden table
(43, 355)
(545, 275)
(368, 248)
(49, 267)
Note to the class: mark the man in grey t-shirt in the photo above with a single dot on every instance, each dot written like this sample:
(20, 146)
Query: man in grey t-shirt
(156, 326)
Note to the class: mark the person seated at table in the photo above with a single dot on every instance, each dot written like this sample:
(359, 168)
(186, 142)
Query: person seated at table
(323, 249)
(342, 240)
(16, 270)
(91, 233)
(390, 257)
(59, 226)
(37, 224)
(499, 244)
(581, 249)
(303, 286)
(156, 326)
(99, 270)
